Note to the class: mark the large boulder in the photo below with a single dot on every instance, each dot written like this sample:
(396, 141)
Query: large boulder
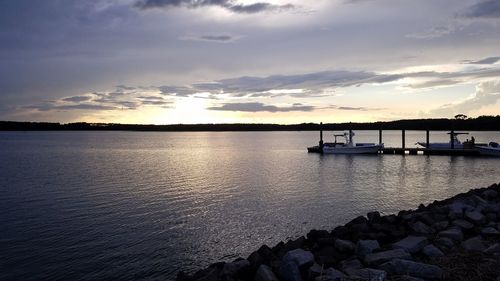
(289, 271)
(412, 244)
(331, 274)
(432, 251)
(300, 257)
(490, 232)
(490, 194)
(474, 244)
(422, 228)
(416, 269)
(350, 266)
(475, 217)
(264, 273)
(364, 247)
(293, 262)
(454, 234)
(235, 268)
(381, 257)
(373, 216)
(444, 243)
(456, 210)
(440, 225)
(344, 246)
(463, 224)
(369, 274)
(493, 249)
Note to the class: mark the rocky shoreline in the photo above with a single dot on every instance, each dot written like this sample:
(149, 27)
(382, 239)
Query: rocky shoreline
(453, 239)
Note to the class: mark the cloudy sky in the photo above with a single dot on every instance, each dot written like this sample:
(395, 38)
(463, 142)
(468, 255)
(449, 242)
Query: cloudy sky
(226, 61)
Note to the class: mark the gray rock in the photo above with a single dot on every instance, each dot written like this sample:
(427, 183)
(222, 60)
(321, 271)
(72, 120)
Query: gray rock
(344, 246)
(315, 270)
(381, 257)
(474, 244)
(264, 273)
(454, 234)
(493, 249)
(463, 224)
(420, 227)
(444, 243)
(432, 251)
(490, 232)
(416, 269)
(350, 266)
(492, 207)
(456, 210)
(478, 200)
(440, 225)
(364, 247)
(475, 217)
(331, 274)
(370, 274)
(289, 271)
(490, 194)
(408, 278)
(372, 216)
(491, 216)
(412, 244)
(300, 257)
(233, 268)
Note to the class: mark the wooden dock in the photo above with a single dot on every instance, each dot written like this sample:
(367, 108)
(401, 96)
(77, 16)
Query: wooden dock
(427, 151)
(468, 149)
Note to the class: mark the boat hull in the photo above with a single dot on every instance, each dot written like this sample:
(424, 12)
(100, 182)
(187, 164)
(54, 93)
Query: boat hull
(488, 150)
(372, 149)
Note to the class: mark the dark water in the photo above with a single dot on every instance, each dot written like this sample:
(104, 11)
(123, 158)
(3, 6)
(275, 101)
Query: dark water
(129, 205)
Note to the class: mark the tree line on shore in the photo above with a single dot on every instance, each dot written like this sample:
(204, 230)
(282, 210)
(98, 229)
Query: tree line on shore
(481, 123)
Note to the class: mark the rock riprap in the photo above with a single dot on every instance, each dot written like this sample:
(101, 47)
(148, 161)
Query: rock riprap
(412, 245)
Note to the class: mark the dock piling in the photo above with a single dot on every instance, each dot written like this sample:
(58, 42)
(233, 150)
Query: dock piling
(403, 139)
(427, 139)
(379, 136)
(321, 135)
(452, 134)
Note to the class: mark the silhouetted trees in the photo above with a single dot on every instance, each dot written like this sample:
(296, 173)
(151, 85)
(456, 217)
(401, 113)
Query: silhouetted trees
(482, 123)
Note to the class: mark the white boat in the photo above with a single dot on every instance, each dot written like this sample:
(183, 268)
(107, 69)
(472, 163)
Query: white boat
(457, 144)
(492, 149)
(348, 147)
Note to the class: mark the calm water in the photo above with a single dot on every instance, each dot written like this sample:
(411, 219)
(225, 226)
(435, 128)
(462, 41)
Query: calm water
(131, 205)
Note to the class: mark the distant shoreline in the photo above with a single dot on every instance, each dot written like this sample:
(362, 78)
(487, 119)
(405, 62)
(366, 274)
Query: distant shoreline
(482, 123)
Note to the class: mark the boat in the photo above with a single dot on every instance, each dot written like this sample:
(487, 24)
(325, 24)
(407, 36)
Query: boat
(348, 147)
(457, 144)
(492, 149)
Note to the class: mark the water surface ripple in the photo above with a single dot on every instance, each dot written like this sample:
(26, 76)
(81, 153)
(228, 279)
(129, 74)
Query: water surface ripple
(141, 206)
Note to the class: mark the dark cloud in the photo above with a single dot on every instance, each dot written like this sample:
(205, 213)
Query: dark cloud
(150, 98)
(155, 102)
(123, 87)
(178, 91)
(230, 5)
(260, 107)
(489, 60)
(484, 9)
(259, 7)
(220, 38)
(83, 106)
(77, 98)
(351, 108)
(318, 80)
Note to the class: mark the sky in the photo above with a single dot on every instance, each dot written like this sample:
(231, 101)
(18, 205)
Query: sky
(243, 61)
